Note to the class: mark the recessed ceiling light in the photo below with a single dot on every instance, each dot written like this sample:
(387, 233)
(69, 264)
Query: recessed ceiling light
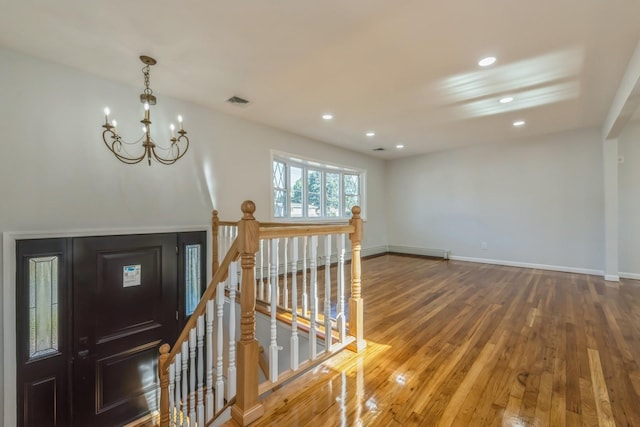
(371, 133)
(518, 123)
(399, 146)
(327, 116)
(506, 99)
(485, 62)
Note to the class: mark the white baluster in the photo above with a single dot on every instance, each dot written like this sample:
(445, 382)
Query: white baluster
(285, 288)
(200, 336)
(231, 370)
(328, 337)
(314, 297)
(185, 385)
(294, 304)
(261, 290)
(192, 377)
(223, 241)
(178, 400)
(340, 315)
(172, 384)
(210, 317)
(305, 298)
(268, 272)
(219, 347)
(273, 346)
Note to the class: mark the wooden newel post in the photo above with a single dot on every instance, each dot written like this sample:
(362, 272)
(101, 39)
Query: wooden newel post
(163, 374)
(247, 407)
(215, 253)
(356, 307)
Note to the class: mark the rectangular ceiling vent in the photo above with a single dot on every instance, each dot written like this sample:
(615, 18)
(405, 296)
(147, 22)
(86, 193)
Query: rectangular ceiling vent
(236, 100)
(378, 149)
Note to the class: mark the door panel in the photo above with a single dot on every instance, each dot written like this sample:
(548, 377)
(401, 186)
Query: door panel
(130, 373)
(42, 348)
(125, 299)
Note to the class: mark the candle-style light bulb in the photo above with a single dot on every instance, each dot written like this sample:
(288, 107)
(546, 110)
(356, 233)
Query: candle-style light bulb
(106, 114)
(172, 127)
(180, 121)
(146, 106)
(144, 129)
(115, 126)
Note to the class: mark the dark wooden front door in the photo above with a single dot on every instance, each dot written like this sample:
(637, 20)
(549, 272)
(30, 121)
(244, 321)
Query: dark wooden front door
(91, 315)
(125, 302)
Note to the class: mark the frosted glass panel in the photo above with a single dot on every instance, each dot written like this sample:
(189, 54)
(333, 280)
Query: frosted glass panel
(43, 306)
(192, 279)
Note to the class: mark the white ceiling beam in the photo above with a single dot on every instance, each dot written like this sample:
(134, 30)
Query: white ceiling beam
(627, 99)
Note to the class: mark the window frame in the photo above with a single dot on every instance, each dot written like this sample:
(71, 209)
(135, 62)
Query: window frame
(307, 165)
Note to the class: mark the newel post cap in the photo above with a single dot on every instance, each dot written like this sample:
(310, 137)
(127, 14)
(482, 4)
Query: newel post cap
(248, 208)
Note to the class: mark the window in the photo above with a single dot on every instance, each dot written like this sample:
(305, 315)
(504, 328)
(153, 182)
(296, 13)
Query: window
(307, 189)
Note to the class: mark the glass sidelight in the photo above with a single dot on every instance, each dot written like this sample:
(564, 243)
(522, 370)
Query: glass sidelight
(43, 307)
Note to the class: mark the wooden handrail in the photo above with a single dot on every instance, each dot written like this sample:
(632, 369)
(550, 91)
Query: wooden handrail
(285, 224)
(208, 294)
(304, 230)
(296, 223)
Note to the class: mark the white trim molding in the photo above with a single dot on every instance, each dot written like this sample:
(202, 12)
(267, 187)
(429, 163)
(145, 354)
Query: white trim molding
(632, 276)
(446, 254)
(611, 277)
(411, 250)
(560, 268)
(374, 250)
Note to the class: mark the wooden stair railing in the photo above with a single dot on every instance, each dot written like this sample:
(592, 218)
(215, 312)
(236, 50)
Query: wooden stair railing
(287, 252)
(185, 399)
(189, 395)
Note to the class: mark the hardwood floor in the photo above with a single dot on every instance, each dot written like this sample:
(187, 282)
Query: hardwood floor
(455, 343)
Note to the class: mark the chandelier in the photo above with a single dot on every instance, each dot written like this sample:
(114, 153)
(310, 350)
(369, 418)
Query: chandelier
(150, 150)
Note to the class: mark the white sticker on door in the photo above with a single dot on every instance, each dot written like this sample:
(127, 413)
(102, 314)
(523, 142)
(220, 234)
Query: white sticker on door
(131, 275)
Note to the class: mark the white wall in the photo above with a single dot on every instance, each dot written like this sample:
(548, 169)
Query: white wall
(56, 175)
(538, 201)
(629, 201)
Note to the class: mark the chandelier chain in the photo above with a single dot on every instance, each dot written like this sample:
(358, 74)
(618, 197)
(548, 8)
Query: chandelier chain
(145, 72)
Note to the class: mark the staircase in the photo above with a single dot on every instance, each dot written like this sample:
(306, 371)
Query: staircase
(280, 288)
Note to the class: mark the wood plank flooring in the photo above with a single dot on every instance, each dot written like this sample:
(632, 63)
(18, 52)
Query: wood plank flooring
(461, 344)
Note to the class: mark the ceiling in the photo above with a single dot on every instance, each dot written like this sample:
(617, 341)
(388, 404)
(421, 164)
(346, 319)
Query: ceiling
(404, 69)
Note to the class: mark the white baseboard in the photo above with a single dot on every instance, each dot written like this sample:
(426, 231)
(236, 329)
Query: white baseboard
(439, 253)
(611, 277)
(633, 276)
(374, 250)
(530, 265)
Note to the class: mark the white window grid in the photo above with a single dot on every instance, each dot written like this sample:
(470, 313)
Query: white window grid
(323, 170)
